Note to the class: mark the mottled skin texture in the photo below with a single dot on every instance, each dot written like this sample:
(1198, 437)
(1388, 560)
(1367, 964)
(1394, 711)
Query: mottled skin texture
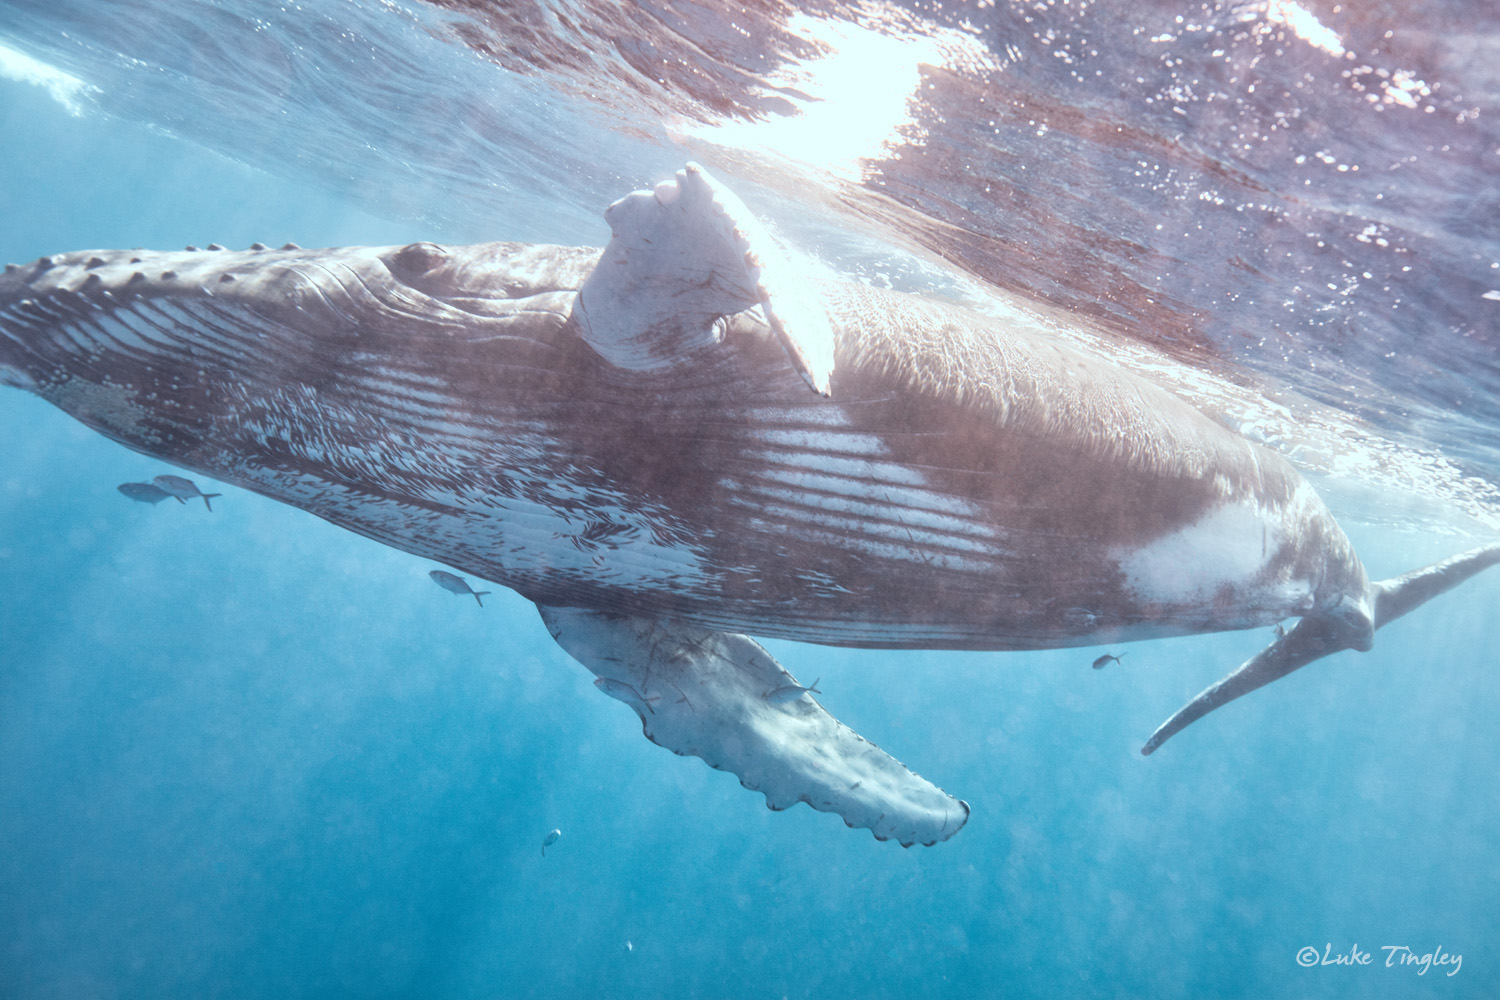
(968, 484)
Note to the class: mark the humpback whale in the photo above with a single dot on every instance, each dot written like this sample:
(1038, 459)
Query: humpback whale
(679, 441)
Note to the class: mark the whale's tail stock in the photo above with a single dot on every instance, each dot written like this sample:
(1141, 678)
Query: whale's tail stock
(1317, 636)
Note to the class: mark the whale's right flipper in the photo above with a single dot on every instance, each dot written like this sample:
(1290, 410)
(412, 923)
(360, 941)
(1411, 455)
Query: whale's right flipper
(703, 693)
(1316, 636)
(682, 257)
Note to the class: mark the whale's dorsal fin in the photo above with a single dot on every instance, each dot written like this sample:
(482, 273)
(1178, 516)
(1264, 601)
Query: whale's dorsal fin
(705, 691)
(682, 257)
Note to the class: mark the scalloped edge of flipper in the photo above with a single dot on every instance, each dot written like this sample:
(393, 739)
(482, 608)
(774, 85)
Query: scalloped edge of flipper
(680, 258)
(701, 693)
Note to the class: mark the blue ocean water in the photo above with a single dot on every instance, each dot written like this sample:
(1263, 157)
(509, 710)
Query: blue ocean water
(243, 753)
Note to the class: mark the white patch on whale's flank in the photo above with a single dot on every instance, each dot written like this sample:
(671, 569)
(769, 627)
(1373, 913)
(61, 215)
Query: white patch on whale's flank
(1231, 544)
(64, 88)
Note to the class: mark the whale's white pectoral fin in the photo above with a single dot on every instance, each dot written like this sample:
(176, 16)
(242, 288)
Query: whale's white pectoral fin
(791, 306)
(682, 257)
(703, 693)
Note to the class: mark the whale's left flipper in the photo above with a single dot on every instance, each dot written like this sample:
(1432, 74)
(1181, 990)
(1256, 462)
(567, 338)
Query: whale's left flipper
(1316, 636)
(702, 693)
(680, 259)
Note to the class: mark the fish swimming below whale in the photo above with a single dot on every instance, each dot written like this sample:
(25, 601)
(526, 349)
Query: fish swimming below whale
(552, 837)
(144, 492)
(183, 490)
(680, 440)
(455, 584)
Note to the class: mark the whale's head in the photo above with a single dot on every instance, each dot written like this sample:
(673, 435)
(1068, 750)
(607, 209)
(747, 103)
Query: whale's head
(144, 345)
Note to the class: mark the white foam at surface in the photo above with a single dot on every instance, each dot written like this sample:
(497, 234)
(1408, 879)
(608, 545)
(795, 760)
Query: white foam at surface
(64, 88)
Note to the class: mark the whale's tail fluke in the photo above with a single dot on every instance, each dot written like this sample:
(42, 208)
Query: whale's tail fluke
(1316, 636)
(1400, 594)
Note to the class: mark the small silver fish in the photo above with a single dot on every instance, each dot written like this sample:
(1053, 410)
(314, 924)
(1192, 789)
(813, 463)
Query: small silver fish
(455, 584)
(789, 692)
(621, 691)
(144, 492)
(549, 840)
(184, 490)
(1099, 663)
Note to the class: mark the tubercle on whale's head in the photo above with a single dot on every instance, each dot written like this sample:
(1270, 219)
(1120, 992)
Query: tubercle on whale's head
(489, 271)
(337, 296)
(469, 274)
